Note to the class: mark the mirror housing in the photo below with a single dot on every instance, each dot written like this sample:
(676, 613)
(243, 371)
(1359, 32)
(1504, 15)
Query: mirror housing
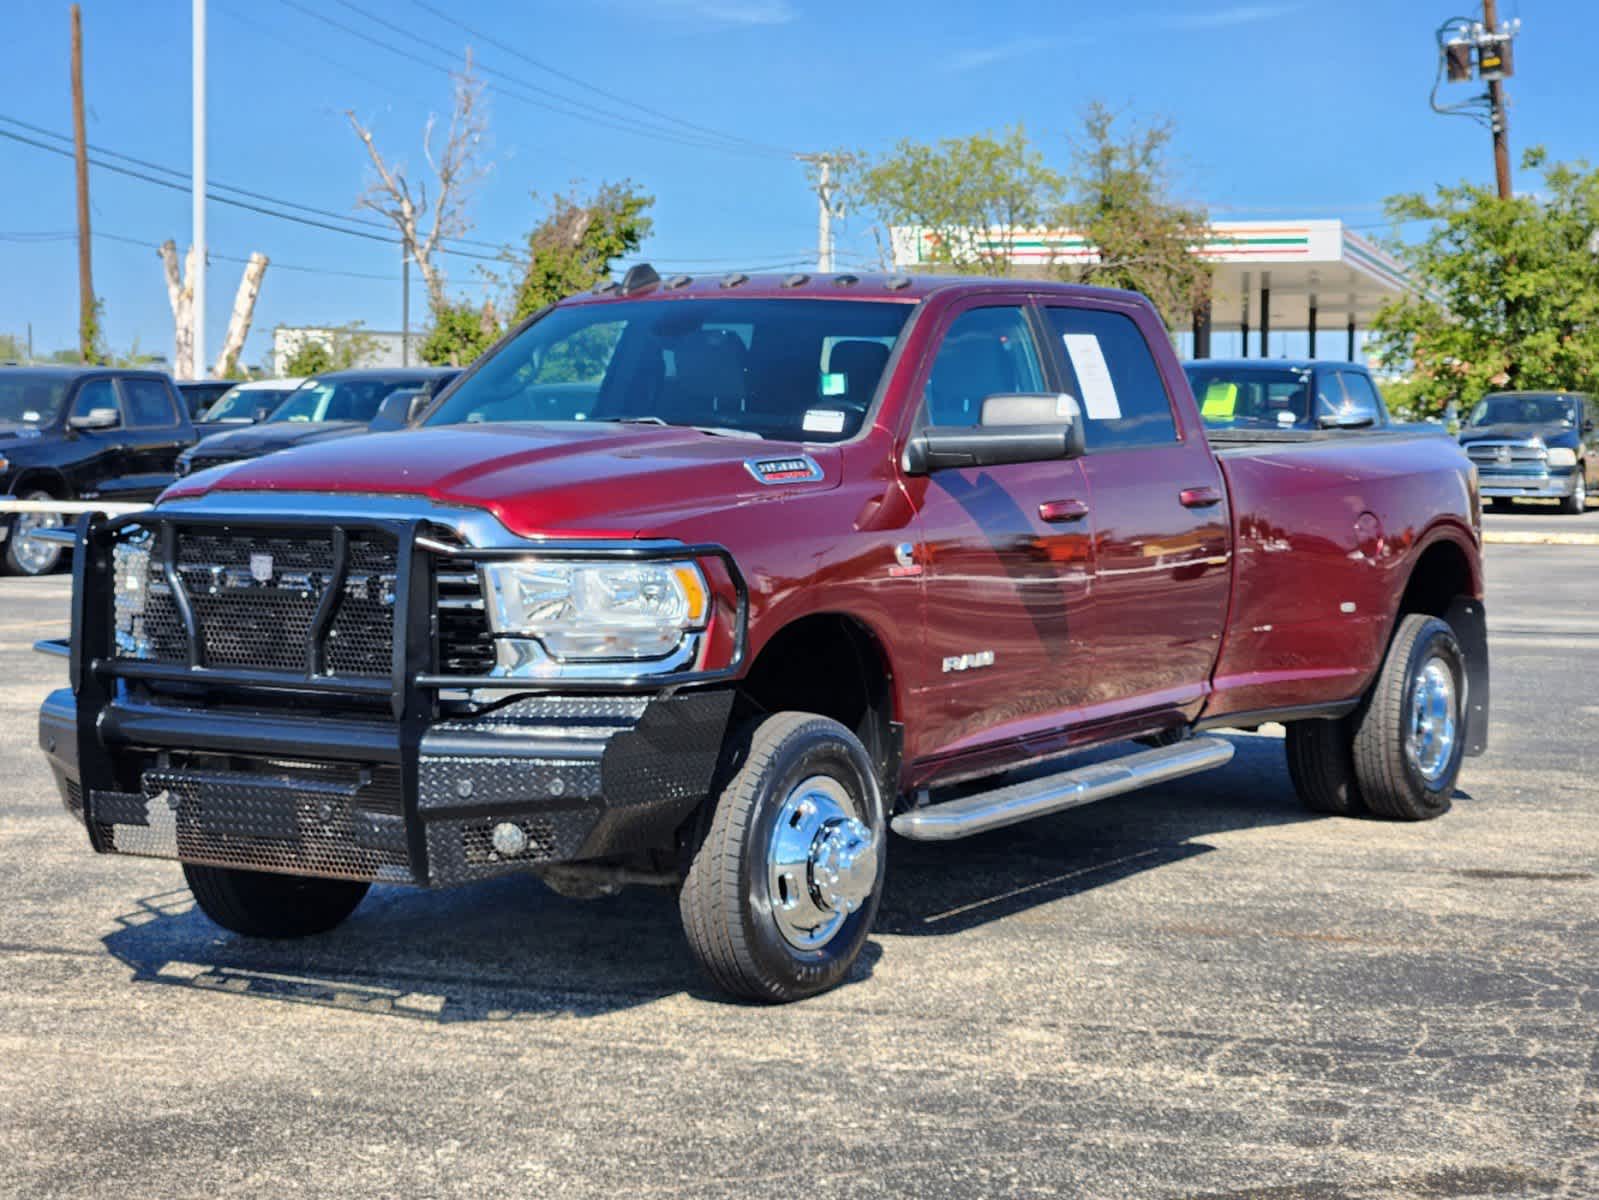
(1348, 416)
(96, 418)
(1015, 428)
(399, 409)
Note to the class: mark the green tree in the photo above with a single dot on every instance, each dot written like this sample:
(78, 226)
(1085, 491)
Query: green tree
(579, 241)
(12, 349)
(1121, 203)
(334, 349)
(1507, 291)
(971, 198)
(460, 333)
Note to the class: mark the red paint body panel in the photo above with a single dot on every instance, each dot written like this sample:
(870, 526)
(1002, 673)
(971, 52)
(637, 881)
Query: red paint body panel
(1147, 608)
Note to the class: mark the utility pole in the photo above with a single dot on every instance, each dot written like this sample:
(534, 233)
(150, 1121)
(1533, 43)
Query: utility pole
(1471, 50)
(827, 207)
(1496, 99)
(197, 190)
(86, 314)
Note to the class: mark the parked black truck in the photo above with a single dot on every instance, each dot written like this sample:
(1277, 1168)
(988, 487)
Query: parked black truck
(82, 433)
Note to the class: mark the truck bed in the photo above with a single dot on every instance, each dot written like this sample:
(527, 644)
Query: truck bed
(1327, 526)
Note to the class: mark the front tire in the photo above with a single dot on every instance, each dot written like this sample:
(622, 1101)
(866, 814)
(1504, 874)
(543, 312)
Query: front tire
(1576, 504)
(1409, 738)
(266, 905)
(785, 881)
(26, 555)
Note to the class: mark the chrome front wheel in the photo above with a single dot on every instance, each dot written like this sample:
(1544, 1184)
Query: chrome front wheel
(821, 863)
(1431, 722)
(29, 555)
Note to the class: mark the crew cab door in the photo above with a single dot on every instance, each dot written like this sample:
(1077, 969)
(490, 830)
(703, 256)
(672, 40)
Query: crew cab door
(95, 458)
(153, 434)
(1162, 540)
(1005, 552)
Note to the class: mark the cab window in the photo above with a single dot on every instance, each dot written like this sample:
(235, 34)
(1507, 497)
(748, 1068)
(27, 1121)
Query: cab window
(97, 393)
(985, 352)
(1111, 371)
(148, 404)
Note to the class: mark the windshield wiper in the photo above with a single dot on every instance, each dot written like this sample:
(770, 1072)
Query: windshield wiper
(712, 430)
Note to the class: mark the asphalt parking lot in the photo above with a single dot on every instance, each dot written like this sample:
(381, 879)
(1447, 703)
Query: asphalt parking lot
(1198, 991)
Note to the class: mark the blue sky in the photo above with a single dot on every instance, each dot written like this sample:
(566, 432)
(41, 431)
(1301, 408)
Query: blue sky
(1282, 108)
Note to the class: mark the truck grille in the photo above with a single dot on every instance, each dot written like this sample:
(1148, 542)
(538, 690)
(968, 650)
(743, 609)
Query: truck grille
(256, 596)
(1505, 454)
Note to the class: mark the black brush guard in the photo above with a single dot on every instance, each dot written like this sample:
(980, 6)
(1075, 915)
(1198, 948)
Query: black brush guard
(646, 777)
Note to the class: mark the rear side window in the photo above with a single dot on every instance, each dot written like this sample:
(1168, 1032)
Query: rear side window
(148, 403)
(1111, 371)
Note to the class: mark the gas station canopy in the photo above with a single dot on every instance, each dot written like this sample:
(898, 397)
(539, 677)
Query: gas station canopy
(1296, 275)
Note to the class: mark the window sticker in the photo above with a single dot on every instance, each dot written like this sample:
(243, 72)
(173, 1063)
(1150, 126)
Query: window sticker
(834, 383)
(1093, 376)
(823, 420)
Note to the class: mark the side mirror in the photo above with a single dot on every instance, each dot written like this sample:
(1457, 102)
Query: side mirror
(96, 418)
(1349, 416)
(1020, 428)
(399, 409)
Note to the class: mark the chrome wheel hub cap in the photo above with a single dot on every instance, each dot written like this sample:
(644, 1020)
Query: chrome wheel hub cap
(1430, 721)
(32, 554)
(821, 863)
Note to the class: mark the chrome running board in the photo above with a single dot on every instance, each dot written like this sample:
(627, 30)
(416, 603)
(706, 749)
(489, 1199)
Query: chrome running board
(1082, 785)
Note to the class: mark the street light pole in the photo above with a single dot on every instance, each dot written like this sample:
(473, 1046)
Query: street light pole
(197, 191)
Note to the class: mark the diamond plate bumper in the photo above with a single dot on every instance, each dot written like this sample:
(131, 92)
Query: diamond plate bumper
(585, 777)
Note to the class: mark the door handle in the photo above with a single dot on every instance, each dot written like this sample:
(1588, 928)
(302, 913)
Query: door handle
(1199, 497)
(1062, 510)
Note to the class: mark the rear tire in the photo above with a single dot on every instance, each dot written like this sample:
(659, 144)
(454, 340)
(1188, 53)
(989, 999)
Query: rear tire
(24, 556)
(262, 904)
(1321, 763)
(766, 903)
(1576, 504)
(1410, 735)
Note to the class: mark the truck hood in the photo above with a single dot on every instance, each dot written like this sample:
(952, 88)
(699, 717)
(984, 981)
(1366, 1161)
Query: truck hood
(1553, 435)
(247, 441)
(602, 479)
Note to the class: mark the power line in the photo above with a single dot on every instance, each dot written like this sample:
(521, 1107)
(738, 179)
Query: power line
(583, 83)
(607, 120)
(506, 258)
(227, 187)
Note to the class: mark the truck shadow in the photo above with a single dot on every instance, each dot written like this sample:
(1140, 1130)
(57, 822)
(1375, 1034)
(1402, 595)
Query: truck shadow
(943, 888)
(512, 949)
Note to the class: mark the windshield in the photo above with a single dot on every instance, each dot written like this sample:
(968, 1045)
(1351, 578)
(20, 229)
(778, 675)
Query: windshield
(30, 399)
(337, 400)
(242, 403)
(1247, 397)
(1526, 409)
(799, 370)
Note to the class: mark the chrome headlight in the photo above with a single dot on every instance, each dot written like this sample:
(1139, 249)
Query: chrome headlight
(1562, 456)
(592, 611)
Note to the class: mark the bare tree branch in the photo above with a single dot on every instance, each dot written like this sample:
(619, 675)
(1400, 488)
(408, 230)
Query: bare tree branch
(456, 169)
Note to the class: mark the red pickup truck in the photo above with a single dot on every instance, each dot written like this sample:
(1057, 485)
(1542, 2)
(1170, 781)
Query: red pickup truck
(713, 583)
